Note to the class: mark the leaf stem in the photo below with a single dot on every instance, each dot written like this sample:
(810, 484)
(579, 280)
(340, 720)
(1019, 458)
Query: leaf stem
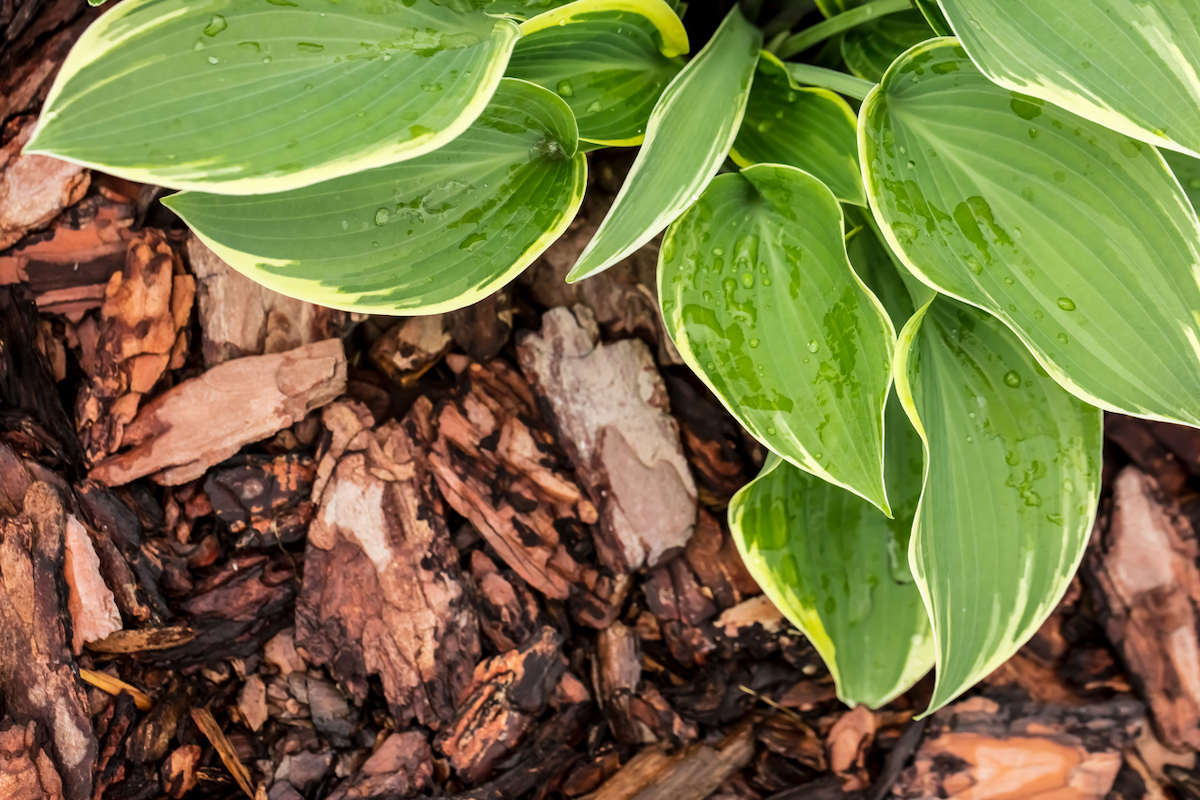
(830, 79)
(839, 24)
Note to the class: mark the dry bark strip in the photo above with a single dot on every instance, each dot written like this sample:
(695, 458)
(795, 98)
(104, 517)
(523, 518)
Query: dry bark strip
(980, 748)
(610, 409)
(1145, 569)
(382, 593)
(26, 769)
(203, 421)
(34, 189)
(692, 773)
(239, 317)
(38, 676)
(497, 465)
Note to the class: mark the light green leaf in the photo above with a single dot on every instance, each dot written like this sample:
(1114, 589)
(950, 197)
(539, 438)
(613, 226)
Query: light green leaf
(1077, 237)
(431, 234)
(811, 129)
(759, 297)
(1187, 170)
(259, 96)
(882, 270)
(1011, 485)
(689, 134)
(870, 48)
(609, 59)
(933, 15)
(838, 568)
(1130, 65)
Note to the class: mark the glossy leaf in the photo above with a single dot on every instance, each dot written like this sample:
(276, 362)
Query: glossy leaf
(431, 234)
(1011, 485)
(1077, 237)
(265, 96)
(1187, 170)
(811, 129)
(870, 48)
(522, 9)
(838, 568)
(1130, 65)
(934, 16)
(759, 296)
(687, 138)
(608, 59)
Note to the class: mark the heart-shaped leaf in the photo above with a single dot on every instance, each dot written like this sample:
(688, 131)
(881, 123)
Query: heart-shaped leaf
(811, 129)
(431, 234)
(687, 138)
(1011, 485)
(838, 568)
(759, 297)
(609, 59)
(268, 95)
(1077, 237)
(1131, 65)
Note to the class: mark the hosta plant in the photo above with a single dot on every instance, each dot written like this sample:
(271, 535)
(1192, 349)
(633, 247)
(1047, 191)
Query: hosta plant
(914, 249)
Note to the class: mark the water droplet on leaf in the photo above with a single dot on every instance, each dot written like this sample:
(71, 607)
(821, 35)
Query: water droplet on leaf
(1012, 379)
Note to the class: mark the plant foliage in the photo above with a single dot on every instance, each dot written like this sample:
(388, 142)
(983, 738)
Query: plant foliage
(991, 186)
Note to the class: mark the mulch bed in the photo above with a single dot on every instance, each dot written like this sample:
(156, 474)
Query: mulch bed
(252, 547)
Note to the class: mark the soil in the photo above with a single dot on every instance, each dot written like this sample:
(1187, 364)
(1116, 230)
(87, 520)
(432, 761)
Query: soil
(252, 547)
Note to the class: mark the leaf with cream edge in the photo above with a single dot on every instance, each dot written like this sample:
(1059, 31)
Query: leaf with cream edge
(608, 59)
(811, 129)
(423, 236)
(1077, 237)
(1012, 479)
(1130, 65)
(249, 98)
(521, 9)
(687, 138)
(758, 294)
(934, 16)
(869, 49)
(1187, 170)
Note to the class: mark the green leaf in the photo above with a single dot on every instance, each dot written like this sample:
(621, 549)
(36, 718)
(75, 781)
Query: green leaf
(933, 15)
(759, 296)
(431, 234)
(267, 95)
(1187, 170)
(1130, 65)
(609, 59)
(1011, 485)
(811, 129)
(522, 9)
(838, 568)
(1077, 237)
(878, 267)
(689, 134)
(870, 48)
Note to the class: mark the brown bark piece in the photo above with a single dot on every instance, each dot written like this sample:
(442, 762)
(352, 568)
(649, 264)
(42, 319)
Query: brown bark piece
(142, 324)
(265, 502)
(34, 189)
(212, 731)
(401, 767)
(93, 608)
(508, 611)
(496, 464)
(714, 559)
(847, 744)
(26, 769)
(239, 317)
(407, 350)
(180, 771)
(982, 749)
(692, 773)
(610, 408)
(68, 267)
(1146, 570)
(37, 673)
(382, 592)
(507, 693)
(203, 421)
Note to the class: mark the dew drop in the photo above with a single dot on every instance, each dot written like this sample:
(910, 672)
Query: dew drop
(198, 46)
(309, 47)
(818, 456)
(1062, 337)
(754, 342)
(565, 89)
(345, 225)
(381, 217)
(1008, 281)
(1066, 304)
(1012, 379)
(912, 165)
(266, 59)
(748, 280)
(813, 346)
(770, 431)
(213, 59)
(763, 127)
(710, 366)
(717, 251)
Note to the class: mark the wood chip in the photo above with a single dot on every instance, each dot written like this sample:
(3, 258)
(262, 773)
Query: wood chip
(114, 686)
(34, 189)
(401, 767)
(94, 613)
(382, 593)
(1146, 570)
(610, 409)
(252, 702)
(410, 348)
(181, 771)
(181, 433)
(142, 640)
(212, 731)
(693, 773)
(26, 770)
(847, 745)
